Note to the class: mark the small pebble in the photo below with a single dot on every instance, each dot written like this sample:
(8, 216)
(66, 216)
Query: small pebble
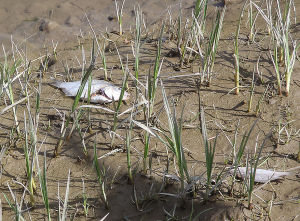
(47, 25)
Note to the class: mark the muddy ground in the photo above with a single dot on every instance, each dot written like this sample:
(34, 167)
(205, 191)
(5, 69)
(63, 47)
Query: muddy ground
(224, 112)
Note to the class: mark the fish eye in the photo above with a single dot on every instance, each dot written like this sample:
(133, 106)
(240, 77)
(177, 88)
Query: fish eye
(101, 92)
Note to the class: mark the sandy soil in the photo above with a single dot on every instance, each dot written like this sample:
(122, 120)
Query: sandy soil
(23, 22)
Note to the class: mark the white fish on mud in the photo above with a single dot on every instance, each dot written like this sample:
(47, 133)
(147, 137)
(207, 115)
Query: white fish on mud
(101, 91)
(261, 176)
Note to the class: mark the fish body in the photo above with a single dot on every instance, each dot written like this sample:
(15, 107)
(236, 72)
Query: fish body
(261, 175)
(101, 91)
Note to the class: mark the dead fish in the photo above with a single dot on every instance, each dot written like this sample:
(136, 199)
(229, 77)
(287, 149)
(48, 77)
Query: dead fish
(261, 176)
(101, 91)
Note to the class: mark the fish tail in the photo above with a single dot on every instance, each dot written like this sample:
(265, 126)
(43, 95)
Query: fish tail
(56, 83)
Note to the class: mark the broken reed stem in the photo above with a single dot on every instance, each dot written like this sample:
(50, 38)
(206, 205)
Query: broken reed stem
(251, 93)
(119, 11)
(276, 67)
(236, 53)
(103, 58)
(101, 177)
(260, 101)
(212, 47)
(128, 149)
(118, 106)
